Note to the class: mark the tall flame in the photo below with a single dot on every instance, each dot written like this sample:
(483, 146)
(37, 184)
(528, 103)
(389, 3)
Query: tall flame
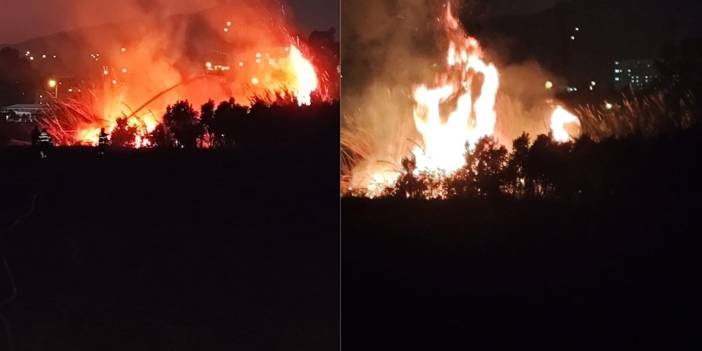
(305, 76)
(445, 138)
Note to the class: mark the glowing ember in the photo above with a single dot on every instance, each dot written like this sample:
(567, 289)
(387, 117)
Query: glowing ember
(559, 119)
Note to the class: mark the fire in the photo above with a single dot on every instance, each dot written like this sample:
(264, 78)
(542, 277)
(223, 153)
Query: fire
(559, 119)
(451, 114)
(472, 115)
(306, 80)
(292, 75)
(134, 72)
(446, 137)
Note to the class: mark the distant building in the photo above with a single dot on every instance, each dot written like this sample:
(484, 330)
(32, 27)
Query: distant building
(636, 74)
(21, 113)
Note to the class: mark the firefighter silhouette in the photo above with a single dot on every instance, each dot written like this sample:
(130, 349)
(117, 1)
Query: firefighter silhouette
(44, 143)
(103, 141)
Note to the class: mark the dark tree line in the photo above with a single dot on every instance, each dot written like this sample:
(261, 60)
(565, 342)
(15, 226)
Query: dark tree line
(226, 124)
(581, 169)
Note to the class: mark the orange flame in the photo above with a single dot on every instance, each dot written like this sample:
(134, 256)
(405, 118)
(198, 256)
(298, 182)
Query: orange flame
(559, 119)
(293, 75)
(445, 142)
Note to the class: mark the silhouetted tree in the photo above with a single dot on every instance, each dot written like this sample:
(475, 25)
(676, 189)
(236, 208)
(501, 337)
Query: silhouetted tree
(515, 173)
(408, 185)
(161, 137)
(181, 119)
(585, 168)
(228, 122)
(123, 134)
(461, 184)
(489, 160)
(207, 112)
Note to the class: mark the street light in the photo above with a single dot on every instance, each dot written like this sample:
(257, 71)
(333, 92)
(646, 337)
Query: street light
(54, 85)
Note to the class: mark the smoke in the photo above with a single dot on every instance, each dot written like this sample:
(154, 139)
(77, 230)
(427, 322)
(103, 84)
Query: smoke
(239, 49)
(387, 47)
(391, 46)
(524, 105)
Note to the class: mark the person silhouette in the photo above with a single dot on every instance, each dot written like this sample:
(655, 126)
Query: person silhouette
(44, 143)
(103, 141)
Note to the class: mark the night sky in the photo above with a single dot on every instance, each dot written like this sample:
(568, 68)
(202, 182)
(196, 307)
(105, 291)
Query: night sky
(520, 7)
(25, 19)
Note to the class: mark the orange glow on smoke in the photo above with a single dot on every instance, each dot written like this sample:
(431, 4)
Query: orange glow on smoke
(139, 77)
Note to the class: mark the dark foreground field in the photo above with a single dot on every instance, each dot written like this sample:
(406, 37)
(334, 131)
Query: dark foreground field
(174, 250)
(620, 273)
